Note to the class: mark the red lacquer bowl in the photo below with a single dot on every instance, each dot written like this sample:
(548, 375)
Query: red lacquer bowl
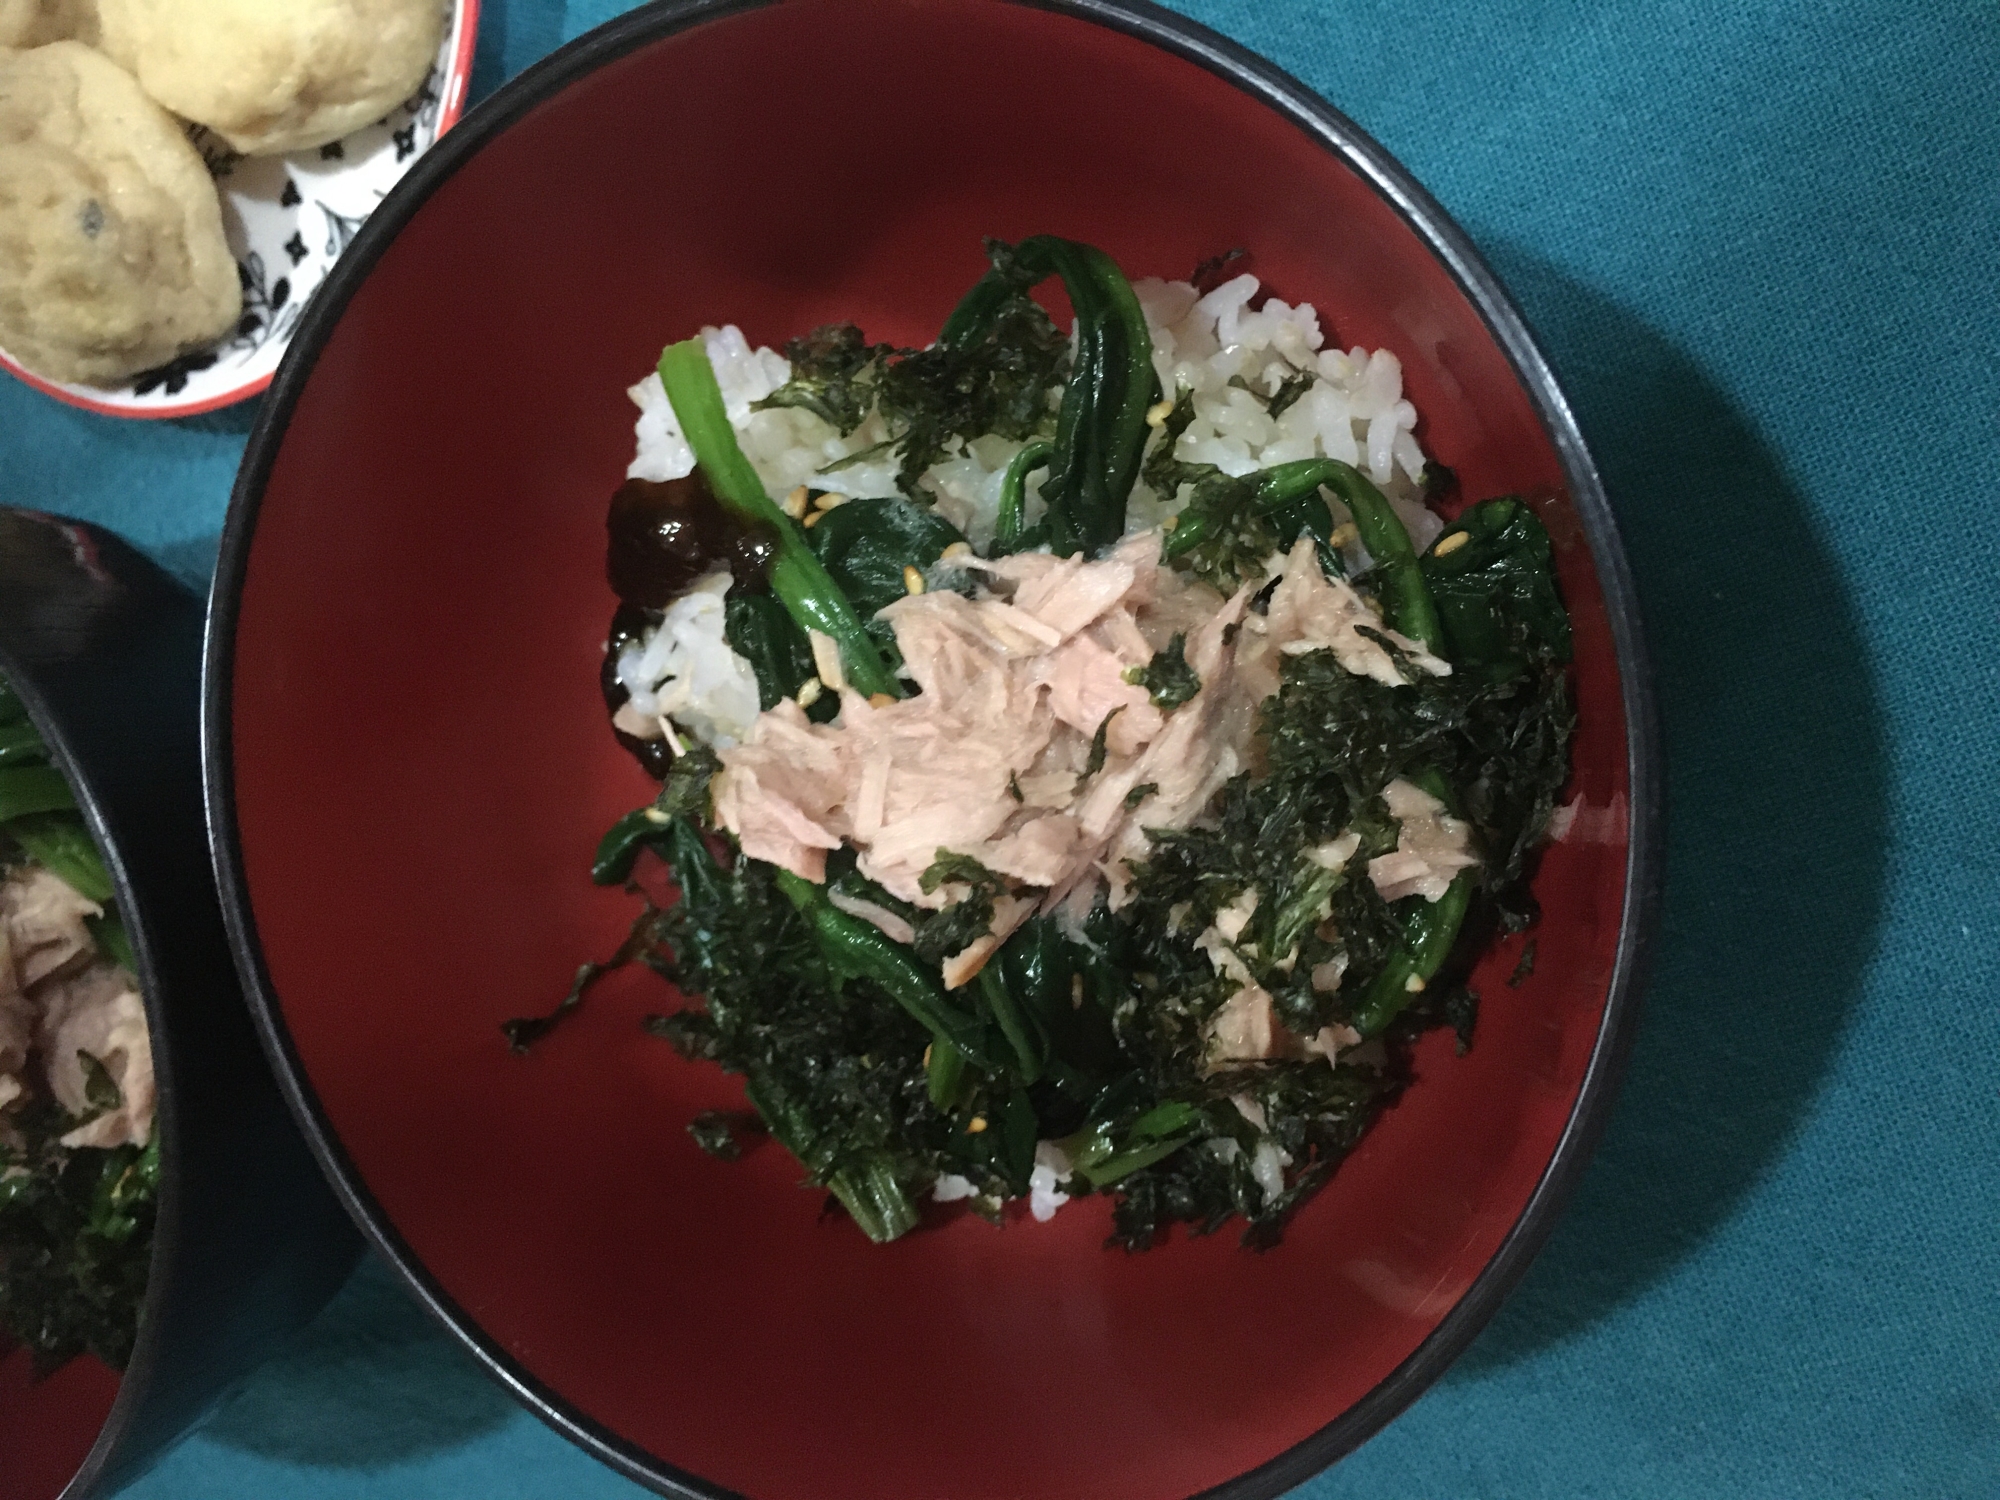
(409, 763)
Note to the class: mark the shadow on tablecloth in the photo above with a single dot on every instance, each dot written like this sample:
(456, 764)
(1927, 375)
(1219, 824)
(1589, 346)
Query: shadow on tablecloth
(1778, 816)
(372, 1381)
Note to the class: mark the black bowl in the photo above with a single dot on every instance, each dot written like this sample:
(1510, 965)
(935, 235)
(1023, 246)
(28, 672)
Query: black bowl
(105, 650)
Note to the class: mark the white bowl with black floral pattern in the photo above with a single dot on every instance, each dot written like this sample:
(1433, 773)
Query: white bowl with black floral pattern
(287, 218)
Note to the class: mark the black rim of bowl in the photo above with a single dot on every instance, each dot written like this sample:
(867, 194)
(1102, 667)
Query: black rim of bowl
(1335, 133)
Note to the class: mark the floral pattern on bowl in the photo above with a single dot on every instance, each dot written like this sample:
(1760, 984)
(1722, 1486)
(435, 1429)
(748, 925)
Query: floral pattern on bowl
(287, 219)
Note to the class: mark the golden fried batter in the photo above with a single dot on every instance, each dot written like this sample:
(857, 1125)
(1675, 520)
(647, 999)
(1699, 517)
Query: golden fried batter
(34, 23)
(112, 258)
(273, 77)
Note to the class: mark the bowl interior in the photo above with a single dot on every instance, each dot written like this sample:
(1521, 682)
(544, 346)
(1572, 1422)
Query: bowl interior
(47, 1426)
(421, 768)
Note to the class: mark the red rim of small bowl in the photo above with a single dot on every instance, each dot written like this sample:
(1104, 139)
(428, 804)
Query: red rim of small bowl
(458, 79)
(1337, 134)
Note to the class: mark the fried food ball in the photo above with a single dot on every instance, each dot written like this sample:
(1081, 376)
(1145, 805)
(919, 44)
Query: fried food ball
(112, 258)
(34, 23)
(273, 77)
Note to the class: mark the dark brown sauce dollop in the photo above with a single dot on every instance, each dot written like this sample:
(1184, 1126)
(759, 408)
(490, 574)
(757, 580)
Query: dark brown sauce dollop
(665, 536)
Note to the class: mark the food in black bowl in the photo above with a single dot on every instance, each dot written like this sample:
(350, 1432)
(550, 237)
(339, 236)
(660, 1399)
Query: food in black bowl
(162, 1227)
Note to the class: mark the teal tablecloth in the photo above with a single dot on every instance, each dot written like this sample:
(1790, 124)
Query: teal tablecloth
(1761, 241)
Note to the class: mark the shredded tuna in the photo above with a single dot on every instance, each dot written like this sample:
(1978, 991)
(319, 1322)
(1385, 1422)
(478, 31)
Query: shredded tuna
(887, 922)
(98, 1011)
(1431, 846)
(1335, 853)
(1326, 976)
(17, 1028)
(988, 759)
(1246, 1029)
(1234, 917)
(1309, 611)
(44, 919)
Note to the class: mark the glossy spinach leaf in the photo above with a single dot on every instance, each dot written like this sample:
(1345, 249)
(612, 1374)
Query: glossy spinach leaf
(866, 544)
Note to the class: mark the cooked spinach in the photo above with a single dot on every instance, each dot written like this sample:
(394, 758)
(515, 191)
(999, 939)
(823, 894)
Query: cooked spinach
(1168, 680)
(940, 934)
(1099, 1033)
(835, 371)
(993, 376)
(796, 574)
(75, 1222)
(1231, 524)
(762, 631)
(865, 546)
(1101, 427)
(995, 380)
(75, 1239)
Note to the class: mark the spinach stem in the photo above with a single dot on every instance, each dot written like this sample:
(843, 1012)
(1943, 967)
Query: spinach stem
(1101, 426)
(1014, 494)
(1014, 1025)
(1428, 937)
(798, 578)
(857, 949)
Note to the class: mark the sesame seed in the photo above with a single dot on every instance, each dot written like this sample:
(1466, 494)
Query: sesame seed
(831, 499)
(927, 1057)
(795, 503)
(654, 815)
(813, 519)
(1170, 523)
(809, 692)
(1344, 533)
(1451, 544)
(913, 581)
(977, 1125)
(1414, 983)
(880, 700)
(1158, 412)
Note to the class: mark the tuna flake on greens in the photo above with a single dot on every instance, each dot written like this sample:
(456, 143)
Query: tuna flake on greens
(1016, 683)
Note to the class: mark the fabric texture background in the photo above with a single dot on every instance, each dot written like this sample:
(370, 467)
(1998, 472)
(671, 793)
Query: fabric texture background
(1761, 242)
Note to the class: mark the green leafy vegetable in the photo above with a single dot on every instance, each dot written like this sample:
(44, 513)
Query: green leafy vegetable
(1011, 519)
(75, 1222)
(75, 1227)
(1099, 1032)
(25, 790)
(725, 1134)
(683, 795)
(1099, 744)
(762, 631)
(1524, 966)
(1232, 523)
(60, 843)
(866, 544)
(1101, 426)
(1168, 680)
(995, 379)
(797, 576)
(524, 1031)
(21, 745)
(1286, 396)
(835, 372)
(1492, 575)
